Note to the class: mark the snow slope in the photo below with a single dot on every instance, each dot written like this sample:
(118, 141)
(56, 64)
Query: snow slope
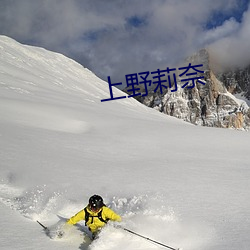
(176, 183)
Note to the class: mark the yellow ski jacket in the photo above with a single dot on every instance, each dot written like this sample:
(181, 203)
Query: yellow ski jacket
(94, 223)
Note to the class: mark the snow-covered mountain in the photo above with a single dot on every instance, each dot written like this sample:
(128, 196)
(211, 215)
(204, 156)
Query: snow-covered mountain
(182, 185)
(213, 104)
(237, 81)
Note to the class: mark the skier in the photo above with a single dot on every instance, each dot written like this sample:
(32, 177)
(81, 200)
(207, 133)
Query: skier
(95, 214)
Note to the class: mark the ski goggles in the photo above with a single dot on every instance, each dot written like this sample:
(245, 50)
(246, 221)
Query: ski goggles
(94, 208)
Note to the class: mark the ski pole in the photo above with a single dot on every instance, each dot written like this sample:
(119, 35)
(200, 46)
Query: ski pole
(45, 228)
(146, 238)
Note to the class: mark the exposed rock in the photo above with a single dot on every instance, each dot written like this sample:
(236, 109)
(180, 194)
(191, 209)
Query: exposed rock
(210, 104)
(236, 81)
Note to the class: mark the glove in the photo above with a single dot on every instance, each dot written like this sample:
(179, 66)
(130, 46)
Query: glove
(60, 234)
(62, 229)
(118, 226)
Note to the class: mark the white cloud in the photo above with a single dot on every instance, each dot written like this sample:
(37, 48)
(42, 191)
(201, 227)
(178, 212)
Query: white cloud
(226, 29)
(97, 32)
(233, 49)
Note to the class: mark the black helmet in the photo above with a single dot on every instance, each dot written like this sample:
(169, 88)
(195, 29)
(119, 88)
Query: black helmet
(95, 202)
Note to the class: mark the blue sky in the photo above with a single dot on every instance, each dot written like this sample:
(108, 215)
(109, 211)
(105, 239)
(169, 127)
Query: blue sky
(219, 16)
(119, 37)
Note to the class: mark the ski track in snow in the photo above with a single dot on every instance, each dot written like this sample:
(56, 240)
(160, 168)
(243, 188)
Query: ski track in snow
(43, 117)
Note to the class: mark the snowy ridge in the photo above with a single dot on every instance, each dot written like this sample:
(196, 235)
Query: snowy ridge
(182, 185)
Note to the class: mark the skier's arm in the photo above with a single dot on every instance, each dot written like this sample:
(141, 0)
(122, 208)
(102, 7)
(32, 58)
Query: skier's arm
(110, 214)
(77, 217)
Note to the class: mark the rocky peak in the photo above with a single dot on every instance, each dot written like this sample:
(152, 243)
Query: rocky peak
(212, 104)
